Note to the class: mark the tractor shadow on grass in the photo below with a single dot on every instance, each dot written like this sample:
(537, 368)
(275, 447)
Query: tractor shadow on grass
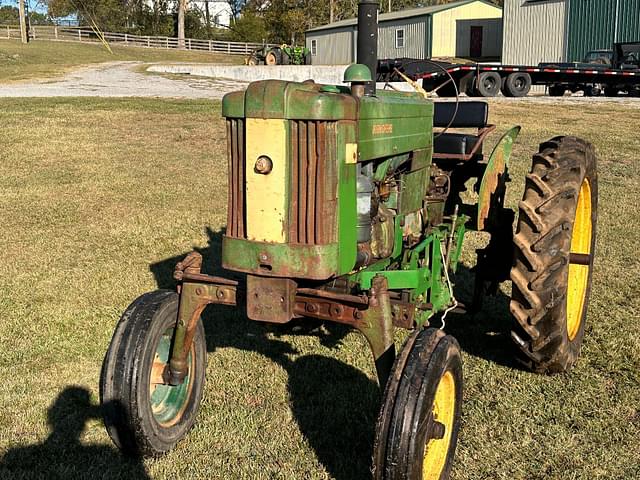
(62, 455)
(335, 404)
(485, 334)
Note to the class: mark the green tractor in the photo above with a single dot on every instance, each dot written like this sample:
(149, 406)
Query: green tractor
(350, 205)
(282, 55)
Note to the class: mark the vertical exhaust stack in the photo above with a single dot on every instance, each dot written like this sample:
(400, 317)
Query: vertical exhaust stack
(368, 40)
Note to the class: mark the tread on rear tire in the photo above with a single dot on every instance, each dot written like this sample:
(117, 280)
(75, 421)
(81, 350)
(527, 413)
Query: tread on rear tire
(550, 293)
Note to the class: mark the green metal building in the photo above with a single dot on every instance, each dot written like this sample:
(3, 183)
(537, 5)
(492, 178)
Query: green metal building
(565, 30)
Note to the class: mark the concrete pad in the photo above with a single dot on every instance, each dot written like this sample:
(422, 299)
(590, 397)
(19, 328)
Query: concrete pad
(324, 74)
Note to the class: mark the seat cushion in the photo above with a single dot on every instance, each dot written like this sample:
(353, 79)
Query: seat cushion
(469, 114)
(454, 143)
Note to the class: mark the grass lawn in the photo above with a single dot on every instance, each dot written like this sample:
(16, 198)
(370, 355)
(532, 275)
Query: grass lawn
(100, 198)
(46, 59)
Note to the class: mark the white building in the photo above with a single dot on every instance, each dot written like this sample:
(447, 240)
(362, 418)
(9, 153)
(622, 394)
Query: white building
(219, 10)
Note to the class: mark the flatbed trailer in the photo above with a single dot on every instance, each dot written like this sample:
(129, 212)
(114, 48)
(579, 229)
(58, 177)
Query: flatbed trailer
(487, 80)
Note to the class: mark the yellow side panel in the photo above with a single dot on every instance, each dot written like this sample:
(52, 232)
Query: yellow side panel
(266, 194)
(445, 26)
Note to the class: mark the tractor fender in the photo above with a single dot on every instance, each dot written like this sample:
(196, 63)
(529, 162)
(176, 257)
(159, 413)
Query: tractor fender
(493, 184)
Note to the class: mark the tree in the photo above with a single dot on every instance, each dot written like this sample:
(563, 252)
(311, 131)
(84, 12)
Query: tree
(108, 15)
(182, 8)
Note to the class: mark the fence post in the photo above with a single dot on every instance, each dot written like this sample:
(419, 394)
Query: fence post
(228, 48)
(148, 41)
(79, 35)
(167, 40)
(126, 38)
(246, 49)
(210, 45)
(189, 44)
(8, 32)
(55, 32)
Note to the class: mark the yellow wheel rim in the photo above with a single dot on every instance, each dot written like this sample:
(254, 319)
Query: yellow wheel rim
(444, 407)
(579, 274)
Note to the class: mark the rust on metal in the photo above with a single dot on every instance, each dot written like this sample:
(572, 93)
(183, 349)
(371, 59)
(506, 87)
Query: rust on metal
(270, 299)
(403, 314)
(339, 297)
(195, 295)
(313, 183)
(236, 155)
(482, 135)
(580, 259)
(189, 269)
(325, 309)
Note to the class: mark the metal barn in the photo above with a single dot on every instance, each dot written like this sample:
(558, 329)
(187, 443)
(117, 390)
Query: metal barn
(466, 28)
(565, 30)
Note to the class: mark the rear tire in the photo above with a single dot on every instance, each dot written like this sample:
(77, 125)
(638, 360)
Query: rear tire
(273, 57)
(556, 224)
(419, 421)
(517, 84)
(489, 84)
(142, 415)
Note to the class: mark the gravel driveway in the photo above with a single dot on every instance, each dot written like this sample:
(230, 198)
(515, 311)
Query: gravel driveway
(121, 79)
(124, 79)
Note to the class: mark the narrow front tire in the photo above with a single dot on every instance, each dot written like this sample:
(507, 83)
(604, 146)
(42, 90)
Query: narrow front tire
(143, 414)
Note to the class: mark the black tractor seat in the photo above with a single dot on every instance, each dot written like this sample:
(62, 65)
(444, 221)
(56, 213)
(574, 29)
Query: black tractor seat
(458, 145)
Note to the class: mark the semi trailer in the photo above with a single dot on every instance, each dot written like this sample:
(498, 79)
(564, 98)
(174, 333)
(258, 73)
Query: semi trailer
(612, 72)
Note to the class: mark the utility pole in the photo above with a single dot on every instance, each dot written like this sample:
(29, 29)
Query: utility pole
(23, 23)
(389, 6)
(331, 11)
(182, 8)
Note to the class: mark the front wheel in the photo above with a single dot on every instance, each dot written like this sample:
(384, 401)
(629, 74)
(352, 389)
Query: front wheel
(417, 429)
(554, 252)
(143, 414)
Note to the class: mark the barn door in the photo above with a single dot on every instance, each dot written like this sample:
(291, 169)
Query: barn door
(475, 48)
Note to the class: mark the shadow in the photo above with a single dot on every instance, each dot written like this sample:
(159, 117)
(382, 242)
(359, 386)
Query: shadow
(484, 334)
(335, 404)
(62, 455)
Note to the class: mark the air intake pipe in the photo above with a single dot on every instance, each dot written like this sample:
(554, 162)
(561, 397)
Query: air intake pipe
(368, 40)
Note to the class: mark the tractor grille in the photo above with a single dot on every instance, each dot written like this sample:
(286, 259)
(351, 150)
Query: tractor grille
(313, 182)
(236, 220)
(312, 214)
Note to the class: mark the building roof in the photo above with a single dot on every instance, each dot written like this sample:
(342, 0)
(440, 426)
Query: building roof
(411, 12)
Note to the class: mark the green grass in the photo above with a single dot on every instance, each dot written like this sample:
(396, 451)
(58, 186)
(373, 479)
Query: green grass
(46, 59)
(100, 198)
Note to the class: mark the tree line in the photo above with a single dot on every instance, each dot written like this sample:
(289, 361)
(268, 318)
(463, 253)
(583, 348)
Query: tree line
(273, 21)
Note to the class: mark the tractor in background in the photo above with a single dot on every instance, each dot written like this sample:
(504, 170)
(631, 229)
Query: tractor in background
(280, 55)
(349, 204)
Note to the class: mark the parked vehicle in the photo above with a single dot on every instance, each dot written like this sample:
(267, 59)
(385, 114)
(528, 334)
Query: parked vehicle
(350, 205)
(619, 74)
(280, 55)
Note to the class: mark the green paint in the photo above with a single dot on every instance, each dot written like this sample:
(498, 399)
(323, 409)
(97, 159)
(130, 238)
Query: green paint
(167, 401)
(497, 164)
(318, 262)
(347, 216)
(392, 124)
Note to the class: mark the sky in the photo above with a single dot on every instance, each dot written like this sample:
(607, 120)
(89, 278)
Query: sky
(14, 3)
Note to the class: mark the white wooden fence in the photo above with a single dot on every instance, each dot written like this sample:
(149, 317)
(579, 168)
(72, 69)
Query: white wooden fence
(87, 35)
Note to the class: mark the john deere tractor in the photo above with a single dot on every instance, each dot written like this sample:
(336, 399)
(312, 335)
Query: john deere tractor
(280, 55)
(350, 205)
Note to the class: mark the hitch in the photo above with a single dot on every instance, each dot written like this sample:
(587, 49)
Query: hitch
(197, 290)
